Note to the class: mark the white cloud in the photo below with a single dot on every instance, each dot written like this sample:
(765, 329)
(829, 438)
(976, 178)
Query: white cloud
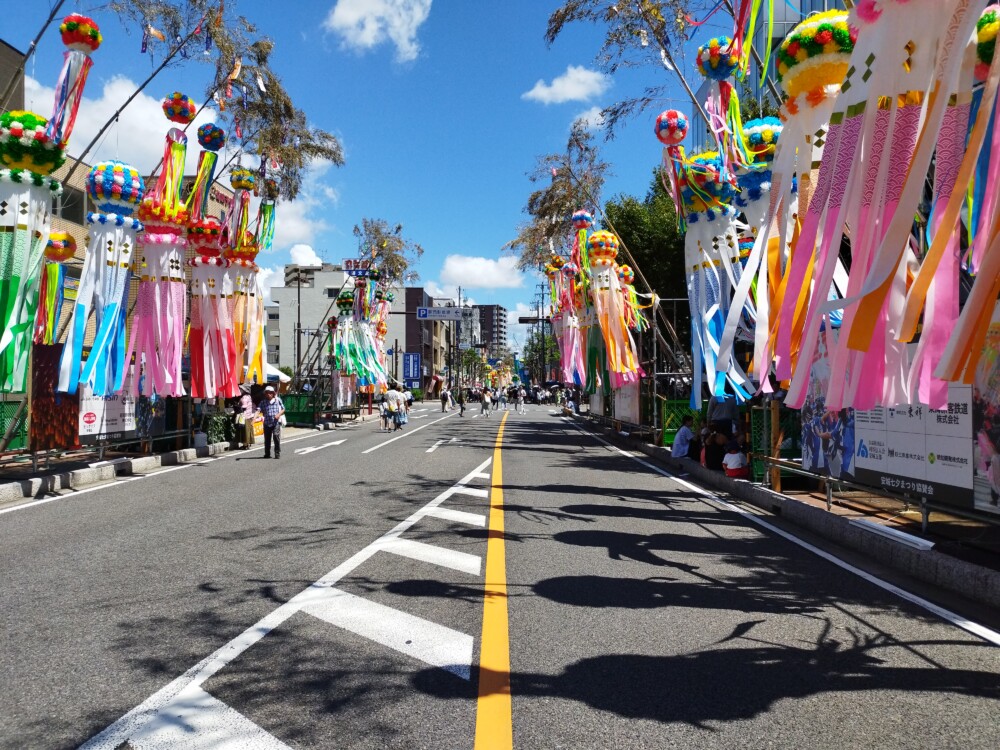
(304, 255)
(447, 291)
(365, 24)
(577, 84)
(481, 273)
(138, 136)
(592, 118)
(270, 278)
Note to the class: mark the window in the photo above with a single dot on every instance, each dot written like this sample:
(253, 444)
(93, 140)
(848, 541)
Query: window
(273, 315)
(332, 292)
(74, 205)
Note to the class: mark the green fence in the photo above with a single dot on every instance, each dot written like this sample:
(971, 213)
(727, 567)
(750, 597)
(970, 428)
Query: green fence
(299, 408)
(790, 432)
(8, 409)
(671, 414)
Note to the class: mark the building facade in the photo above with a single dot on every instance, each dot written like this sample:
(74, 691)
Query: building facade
(493, 327)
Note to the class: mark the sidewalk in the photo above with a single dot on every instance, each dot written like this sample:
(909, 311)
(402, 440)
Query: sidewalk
(935, 566)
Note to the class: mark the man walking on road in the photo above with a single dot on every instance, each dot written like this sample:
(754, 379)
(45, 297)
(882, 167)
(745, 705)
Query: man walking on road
(461, 402)
(272, 410)
(444, 399)
(487, 403)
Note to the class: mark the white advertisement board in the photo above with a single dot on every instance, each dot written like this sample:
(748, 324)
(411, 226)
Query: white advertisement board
(919, 451)
(106, 418)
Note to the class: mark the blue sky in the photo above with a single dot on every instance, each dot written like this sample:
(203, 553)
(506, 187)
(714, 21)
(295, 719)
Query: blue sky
(441, 106)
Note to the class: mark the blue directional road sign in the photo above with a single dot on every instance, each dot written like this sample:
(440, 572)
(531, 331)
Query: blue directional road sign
(411, 366)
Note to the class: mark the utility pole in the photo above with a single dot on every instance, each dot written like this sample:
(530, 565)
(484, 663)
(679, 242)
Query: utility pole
(298, 324)
(395, 359)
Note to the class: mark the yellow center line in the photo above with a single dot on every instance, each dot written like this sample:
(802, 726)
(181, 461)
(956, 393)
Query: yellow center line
(494, 729)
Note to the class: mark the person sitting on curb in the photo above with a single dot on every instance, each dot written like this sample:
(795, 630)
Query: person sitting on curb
(683, 439)
(735, 463)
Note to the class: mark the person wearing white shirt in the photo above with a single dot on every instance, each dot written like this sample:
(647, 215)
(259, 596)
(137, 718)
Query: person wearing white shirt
(683, 438)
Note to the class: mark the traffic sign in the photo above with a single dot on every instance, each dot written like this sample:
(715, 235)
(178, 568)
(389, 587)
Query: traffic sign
(357, 266)
(411, 366)
(439, 313)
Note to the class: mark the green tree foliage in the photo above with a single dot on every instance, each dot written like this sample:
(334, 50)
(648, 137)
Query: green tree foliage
(392, 252)
(273, 127)
(472, 366)
(564, 183)
(648, 228)
(532, 353)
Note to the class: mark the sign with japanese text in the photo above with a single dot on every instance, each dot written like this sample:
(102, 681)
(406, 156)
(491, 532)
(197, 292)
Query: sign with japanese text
(357, 266)
(914, 450)
(411, 366)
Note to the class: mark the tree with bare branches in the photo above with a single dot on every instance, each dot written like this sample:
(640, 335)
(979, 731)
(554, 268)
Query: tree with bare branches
(391, 251)
(636, 33)
(242, 83)
(566, 182)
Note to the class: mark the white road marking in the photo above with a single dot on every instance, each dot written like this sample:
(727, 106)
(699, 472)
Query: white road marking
(194, 720)
(458, 516)
(474, 491)
(430, 553)
(421, 639)
(132, 722)
(405, 434)
(434, 447)
(313, 448)
(975, 628)
(423, 416)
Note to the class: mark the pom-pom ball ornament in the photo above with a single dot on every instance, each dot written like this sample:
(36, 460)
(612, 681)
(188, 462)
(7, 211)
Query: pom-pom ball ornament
(986, 40)
(61, 247)
(203, 236)
(671, 127)
(603, 247)
(24, 144)
(80, 33)
(626, 274)
(703, 185)
(331, 322)
(582, 220)
(551, 271)
(816, 55)
(557, 261)
(115, 187)
(570, 269)
(761, 137)
(390, 297)
(382, 329)
(179, 108)
(211, 136)
(345, 301)
(718, 59)
(242, 178)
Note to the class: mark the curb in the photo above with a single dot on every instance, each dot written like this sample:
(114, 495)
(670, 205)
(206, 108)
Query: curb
(974, 582)
(73, 480)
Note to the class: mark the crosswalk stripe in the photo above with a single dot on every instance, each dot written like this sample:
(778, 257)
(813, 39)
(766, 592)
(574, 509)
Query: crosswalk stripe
(458, 516)
(474, 491)
(421, 639)
(429, 553)
(195, 720)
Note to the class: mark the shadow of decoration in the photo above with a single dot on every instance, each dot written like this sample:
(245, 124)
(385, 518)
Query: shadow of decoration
(668, 514)
(733, 684)
(275, 537)
(651, 593)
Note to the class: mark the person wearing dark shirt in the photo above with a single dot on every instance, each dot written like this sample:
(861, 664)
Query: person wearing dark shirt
(715, 451)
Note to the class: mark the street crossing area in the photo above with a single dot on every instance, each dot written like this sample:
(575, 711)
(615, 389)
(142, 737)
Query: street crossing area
(190, 714)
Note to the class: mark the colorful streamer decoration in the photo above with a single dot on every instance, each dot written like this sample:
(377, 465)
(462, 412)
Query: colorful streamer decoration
(622, 361)
(82, 37)
(211, 340)
(116, 189)
(241, 248)
(60, 248)
(158, 326)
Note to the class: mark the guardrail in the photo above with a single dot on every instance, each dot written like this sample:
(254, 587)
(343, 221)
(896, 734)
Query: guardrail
(925, 506)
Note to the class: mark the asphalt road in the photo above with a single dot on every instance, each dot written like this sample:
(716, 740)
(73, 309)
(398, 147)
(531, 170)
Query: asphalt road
(335, 599)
